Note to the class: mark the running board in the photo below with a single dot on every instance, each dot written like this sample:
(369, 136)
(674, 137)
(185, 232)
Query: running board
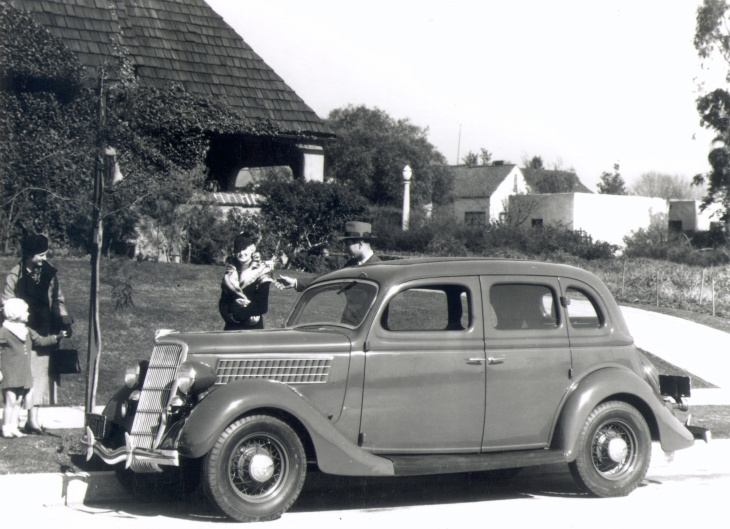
(455, 463)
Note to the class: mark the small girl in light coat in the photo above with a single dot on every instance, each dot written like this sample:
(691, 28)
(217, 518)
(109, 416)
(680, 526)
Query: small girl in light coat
(16, 343)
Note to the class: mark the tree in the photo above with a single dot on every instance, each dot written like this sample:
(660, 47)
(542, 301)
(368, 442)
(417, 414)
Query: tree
(555, 182)
(470, 159)
(49, 125)
(371, 151)
(666, 186)
(45, 123)
(712, 38)
(536, 163)
(305, 217)
(612, 183)
(485, 156)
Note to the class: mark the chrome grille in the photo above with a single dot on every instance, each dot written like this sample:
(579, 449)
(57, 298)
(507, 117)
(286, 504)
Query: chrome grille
(287, 370)
(155, 394)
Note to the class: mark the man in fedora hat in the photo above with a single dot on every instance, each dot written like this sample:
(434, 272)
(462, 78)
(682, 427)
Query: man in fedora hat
(356, 239)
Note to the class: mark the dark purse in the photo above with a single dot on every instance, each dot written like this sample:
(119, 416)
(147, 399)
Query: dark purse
(65, 362)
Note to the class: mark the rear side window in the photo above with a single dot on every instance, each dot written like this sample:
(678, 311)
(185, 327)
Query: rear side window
(523, 306)
(433, 308)
(583, 312)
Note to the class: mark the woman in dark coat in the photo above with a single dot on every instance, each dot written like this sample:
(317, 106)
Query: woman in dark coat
(35, 281)
(245, 287)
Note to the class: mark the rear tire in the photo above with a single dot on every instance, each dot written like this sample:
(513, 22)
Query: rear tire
(614, 450)
(256, 469)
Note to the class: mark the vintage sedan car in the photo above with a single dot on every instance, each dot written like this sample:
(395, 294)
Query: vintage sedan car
(406, 367)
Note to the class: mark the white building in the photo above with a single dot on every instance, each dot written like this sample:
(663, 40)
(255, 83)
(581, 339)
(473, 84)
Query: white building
(606, 218)
(482, 191)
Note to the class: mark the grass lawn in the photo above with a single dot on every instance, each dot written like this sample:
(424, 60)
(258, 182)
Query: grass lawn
(182, 297)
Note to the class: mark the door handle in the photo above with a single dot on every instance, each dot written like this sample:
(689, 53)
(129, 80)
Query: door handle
(494, 361)
(475, 361)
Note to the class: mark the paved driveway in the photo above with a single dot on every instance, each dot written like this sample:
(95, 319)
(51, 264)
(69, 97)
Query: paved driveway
(699, 349)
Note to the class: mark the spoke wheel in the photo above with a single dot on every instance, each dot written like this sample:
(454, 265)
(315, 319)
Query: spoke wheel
(614, 450)
(256, 469)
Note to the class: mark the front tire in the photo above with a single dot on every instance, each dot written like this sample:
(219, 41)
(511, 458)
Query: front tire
(256, 469)
(614, 450)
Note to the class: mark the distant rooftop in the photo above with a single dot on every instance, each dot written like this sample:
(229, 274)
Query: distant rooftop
(479, 180)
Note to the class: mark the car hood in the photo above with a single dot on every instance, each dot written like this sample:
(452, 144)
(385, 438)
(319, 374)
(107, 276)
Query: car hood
(269, 341)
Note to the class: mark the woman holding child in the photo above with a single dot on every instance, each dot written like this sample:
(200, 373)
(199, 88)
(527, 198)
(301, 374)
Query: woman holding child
(35, 281)
(245, 287)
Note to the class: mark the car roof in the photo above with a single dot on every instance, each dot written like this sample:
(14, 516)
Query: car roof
(398, 270)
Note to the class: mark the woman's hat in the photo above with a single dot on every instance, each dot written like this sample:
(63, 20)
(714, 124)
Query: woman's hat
(241, 242)
(357, 230)
(34, 245)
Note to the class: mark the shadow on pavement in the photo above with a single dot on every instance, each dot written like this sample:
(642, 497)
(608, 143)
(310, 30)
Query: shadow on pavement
(323, 492)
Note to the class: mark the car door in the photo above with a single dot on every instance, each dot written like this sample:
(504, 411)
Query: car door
(424, 388)
(528, 360)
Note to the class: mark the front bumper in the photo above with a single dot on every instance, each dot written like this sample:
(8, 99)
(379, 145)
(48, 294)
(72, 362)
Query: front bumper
(132, 456)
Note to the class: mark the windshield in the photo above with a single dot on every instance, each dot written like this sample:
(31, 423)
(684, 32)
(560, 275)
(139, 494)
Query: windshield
(341, 303)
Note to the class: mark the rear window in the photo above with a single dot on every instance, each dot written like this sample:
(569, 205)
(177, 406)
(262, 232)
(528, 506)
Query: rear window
(583, 311)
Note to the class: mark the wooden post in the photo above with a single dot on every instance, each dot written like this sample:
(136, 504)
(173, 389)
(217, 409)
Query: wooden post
(623, 279)
(657, 288)
(94, 346)
(702, 286)
(713, 295)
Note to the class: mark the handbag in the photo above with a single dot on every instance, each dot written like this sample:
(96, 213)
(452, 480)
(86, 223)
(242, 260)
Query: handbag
(65, 362)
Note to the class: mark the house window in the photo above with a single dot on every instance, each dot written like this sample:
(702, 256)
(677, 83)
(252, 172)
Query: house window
(537, 224)
(475, 218)
(675, 226)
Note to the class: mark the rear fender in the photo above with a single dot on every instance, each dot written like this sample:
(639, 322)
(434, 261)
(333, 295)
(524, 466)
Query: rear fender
(606, 384)
(335, 453)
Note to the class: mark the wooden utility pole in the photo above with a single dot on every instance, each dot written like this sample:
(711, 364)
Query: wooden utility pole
(94, 350)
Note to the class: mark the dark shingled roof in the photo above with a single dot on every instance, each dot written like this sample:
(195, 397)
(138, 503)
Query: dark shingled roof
(534, 175)
(478, 181)
(182, 41)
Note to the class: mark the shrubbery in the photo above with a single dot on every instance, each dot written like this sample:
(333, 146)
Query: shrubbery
(702, 249)
(443, 235)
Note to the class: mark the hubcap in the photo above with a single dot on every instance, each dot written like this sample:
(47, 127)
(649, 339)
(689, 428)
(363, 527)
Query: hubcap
(614, 450)
(261, 468)
(258, 467)
(617, 449)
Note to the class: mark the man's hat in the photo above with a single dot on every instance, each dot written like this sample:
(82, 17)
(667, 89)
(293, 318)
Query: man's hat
(34, 245)
(357, 230)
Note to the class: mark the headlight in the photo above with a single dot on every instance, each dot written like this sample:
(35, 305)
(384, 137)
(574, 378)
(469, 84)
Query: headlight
(186, 377)
(131, 375)
(194, 377)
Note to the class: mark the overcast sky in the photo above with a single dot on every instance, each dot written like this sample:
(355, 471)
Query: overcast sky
(583, 84)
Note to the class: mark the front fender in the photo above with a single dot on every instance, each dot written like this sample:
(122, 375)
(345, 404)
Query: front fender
(335, 453)
(603, 385)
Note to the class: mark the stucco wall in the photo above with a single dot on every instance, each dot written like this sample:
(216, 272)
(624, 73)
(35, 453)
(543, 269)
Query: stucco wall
(693, 219)
(685, 211)
(606, 218)
(554, 209)
(611, 217)
(462, 205)
(512, 185)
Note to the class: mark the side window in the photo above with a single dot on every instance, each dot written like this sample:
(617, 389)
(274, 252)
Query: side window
(583, 313)
(433, 308)
(521, 306)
